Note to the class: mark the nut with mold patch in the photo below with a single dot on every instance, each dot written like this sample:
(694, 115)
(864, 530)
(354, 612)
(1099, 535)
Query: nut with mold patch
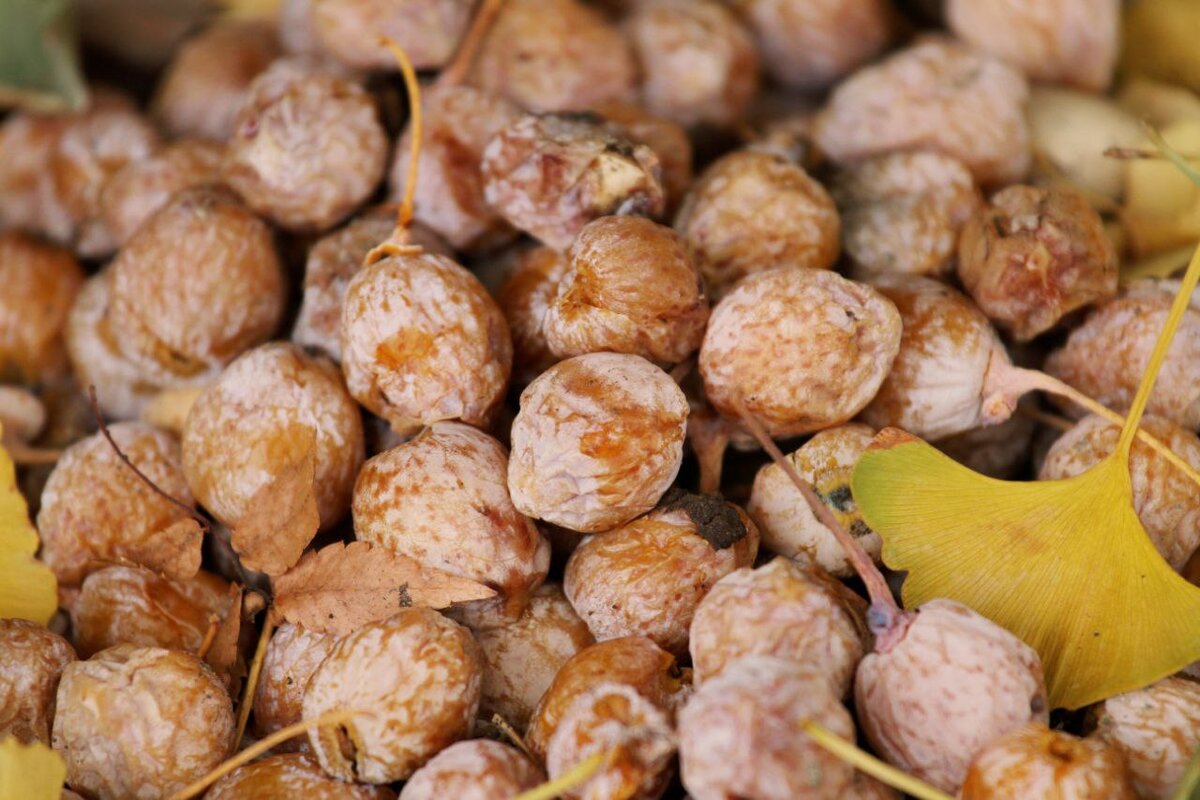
(476, 770)
(290, 775)
(349, 30)
(525, 296)
(40, 283)
(293, 655)
(32, 660)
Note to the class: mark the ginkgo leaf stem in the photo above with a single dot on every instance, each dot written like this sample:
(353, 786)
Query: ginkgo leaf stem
(415, 129)
(568, 780)
(865, 762)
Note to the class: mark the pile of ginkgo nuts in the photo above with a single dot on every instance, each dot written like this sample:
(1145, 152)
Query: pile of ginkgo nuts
(396, 435)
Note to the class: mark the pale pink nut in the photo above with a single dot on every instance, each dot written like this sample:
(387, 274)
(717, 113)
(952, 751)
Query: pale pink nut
(1035, 761)
(937, 95)
(428, 30)
(40, 284)
(307, 147)
(786, 523)
(442, 500)
(95, 509)
(293, 655)
(420, 675)
(526, 296)
(32, 660)
(27, 198)
(555, 55)
(937, 384)
(290, 775)
(647, 577)
(423, 341)
(520, 659)
(613, 720)
(742, 734)
(955, 682)
(630, 287)
(782, 610)
(809, 44)
(551, 174)
(902, 212)
(276, 402)
(476, 770)
(1157, 729)
(140, 722)
(998, 451)
(1052, 41)
(752, 211)
(699, 63)
(295, 28)
(802, 349)
(598, 440)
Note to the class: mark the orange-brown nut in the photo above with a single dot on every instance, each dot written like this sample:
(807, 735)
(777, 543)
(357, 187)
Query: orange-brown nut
(32, 660)
(1156, 729)
(633, 661)
(742, 734)
(95, 509)
(140, 722)
(598, 440)
(428, 30)
(938, 95)
(419, 674)
(293, 655)
(40, 283)
(955, 682)
(134, 605)
(613, 720)
(132, 195)
(1035, 761)
(630, 288)
(423, 341)
(803, 349)
(307, 147)
(208, 79)
(752, 211)
(520, 659)
(526, 296)
(786, 523)
(1051, 41)
(647, 577)
(27, 197)
(476, 770)
(290, 775)
(555, 55)
(667, 139)
(998, 451)
(902, 212)
(442, 500)
(782, 610)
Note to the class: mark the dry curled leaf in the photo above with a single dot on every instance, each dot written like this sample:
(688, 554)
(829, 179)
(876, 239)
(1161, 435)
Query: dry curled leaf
(342, 587)
(223, 655)
(28, 589)
(173, 551)
(30, 772)
(281, 519)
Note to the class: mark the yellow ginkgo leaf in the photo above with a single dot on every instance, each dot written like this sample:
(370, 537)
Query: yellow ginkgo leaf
(16, 532)
(28, 589)
(30, 772)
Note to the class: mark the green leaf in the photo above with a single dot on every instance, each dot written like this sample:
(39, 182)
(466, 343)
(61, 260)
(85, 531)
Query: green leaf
(39, 66)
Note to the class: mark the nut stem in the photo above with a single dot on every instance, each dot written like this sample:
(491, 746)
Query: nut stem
(864, 762)
(516, 738)
(464, 58)
(398, 243)
(260, 654)
(570, 779)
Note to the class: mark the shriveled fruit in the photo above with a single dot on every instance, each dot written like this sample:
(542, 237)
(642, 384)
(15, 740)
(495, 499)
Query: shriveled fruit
(40, 283)
(667, 139)
(526, 296)
(27, 197)
(133, 194)
(32, 660)
(349, 30)
(293, 655)
(290, 775)
(476, 770)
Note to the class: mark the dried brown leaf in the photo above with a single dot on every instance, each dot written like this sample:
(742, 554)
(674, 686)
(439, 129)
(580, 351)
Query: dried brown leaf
(224, 655)
(174, 551)
(281, 519)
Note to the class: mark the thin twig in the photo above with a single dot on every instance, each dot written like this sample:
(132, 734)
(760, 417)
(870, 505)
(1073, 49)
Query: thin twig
(260, 653)
(872, 766)
(1140, 154)
(210, 636)
(516, 738)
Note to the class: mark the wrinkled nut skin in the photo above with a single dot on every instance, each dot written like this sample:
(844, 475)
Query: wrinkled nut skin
(32, 660)
(94, 508)
(418, 672)
(1035, 761)
(555, 55)
(40, 283)
(936, 385)
(803, 349)
(954, 683)
(27, 198)
(810, 44)
(275, 402)
(132, 605)
(630, 287)
(520, 659)
(423, 341)
(526, 296)
(667, 139)
(293, 655)
(1165, 500)
(741, 734)
(633, 661)
(1034, 255)
(614, 717)
(786, 523)
(783, 610)
(140, 722)
(442, 500)
(428, 30)
(699, 63)
(209, 77)
(647, 577)
(476, 770)
(598, 440)
(1052, 41)
(307, 147)
(197, 284)
(290, 775)
(550, 175)
(752, 211)
(902, 212)
(934, 95)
